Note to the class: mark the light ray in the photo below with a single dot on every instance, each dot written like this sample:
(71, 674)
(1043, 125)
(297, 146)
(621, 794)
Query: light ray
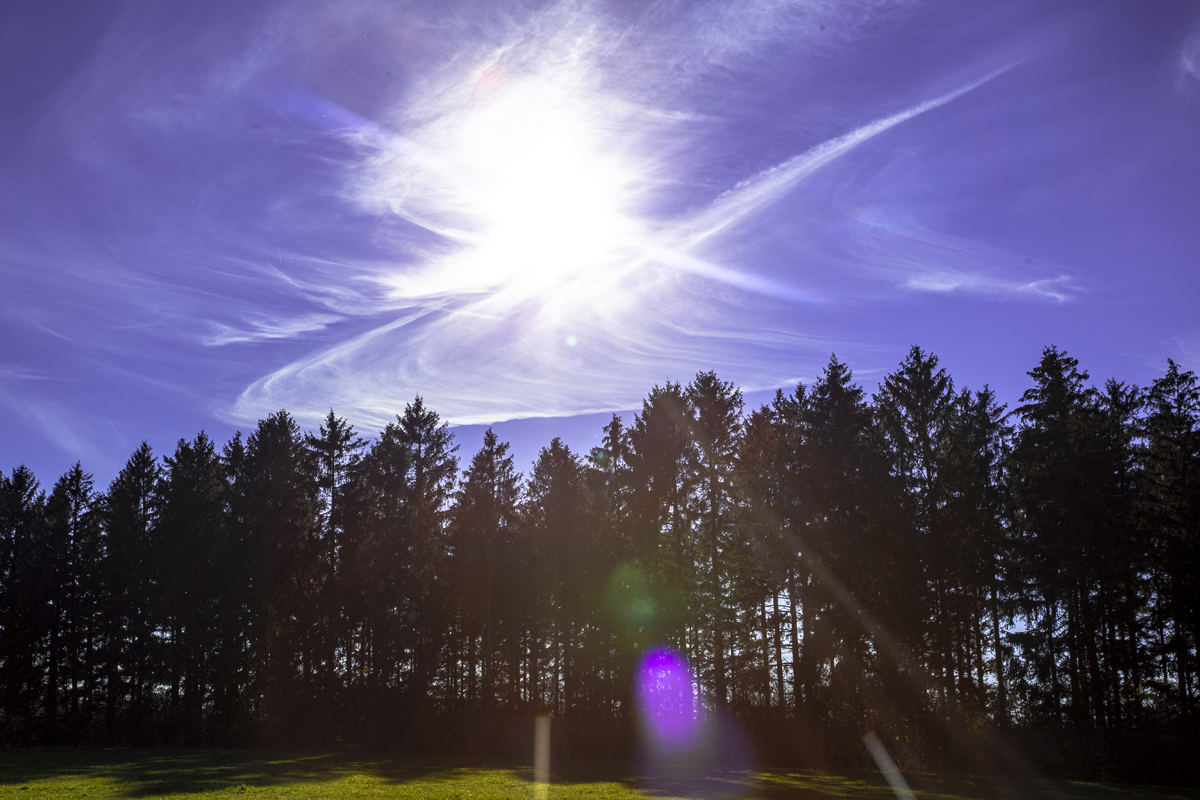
(888, 767)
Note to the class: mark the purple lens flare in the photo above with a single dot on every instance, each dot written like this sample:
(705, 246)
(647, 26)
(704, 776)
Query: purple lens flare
(668, 700)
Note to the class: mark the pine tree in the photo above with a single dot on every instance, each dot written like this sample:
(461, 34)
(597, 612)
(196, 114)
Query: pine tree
(189, 561)
(1073, 499)
(130, 520)
(714, 428)
(555, 514)
(841, 539)
(660, 534)
(915, 412)
(1172, 507)
(75, 547)
(978, 509)
(484, 530)
(410, 473)
(282, 530)
(24, 610)
(336, 453)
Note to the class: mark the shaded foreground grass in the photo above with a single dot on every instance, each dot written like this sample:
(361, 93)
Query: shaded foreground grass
(96, 774)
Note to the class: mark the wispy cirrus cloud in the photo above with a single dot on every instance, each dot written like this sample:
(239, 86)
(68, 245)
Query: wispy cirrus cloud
(257, 330)
(9, 372)
(911, 257)
(1189, 56)
(514, 209)
(65, 429)
(1184, 348)
(538, 280)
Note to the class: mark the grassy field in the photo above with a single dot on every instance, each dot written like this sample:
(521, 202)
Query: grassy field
(95, 774)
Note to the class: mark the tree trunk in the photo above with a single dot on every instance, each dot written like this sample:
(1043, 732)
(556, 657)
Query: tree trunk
(779, 653)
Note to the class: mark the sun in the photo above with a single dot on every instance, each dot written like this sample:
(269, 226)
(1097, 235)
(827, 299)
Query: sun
(546, 187)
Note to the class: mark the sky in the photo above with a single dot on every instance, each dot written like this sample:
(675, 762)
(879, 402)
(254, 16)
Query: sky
(530, 213)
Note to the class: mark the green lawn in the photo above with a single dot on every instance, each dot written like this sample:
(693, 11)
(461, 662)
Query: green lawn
(73, 774)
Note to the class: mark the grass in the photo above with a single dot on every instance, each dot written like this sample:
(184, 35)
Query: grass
(99, 774)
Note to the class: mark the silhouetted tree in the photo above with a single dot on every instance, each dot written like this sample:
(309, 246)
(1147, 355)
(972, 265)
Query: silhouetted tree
(484, 531)
(130, 597)
(916, 563)
(25, 616)
(1172, 506)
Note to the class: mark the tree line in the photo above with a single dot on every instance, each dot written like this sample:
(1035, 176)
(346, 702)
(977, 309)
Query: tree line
(925, 562)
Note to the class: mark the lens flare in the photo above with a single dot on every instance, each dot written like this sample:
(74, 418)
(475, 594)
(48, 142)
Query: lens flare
(668, 700)
(629, 597)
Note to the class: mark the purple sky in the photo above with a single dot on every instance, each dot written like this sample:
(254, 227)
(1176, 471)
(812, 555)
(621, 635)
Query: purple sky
(525, 211)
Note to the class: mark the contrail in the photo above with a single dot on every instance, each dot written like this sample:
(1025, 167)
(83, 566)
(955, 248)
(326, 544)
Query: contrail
(765, 188)
(771, 184)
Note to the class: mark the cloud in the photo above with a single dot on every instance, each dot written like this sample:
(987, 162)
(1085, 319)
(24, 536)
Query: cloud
(63, 428)
(929, 279)
(12, 372)
(515, 342)
(514, 210)
(914, 258)
(480, 360)
(1189, 56)
(533, 281)
(257, 330)
(768, 186)
(1184, 349)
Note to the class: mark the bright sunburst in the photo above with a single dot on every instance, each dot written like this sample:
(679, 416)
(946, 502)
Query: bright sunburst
(549, 197)
(526, 181)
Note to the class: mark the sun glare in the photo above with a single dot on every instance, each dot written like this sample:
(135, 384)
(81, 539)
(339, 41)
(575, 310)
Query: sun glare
(544, 188)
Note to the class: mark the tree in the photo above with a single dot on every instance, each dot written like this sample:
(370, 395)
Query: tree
(282, 531)
(1073, 496)
(844, 536)
(1172, 506)
(190, 557)
(410, 474)
(767, 563)
(978, 510)
(659, 531)
(484, 529)
(74, 546)
(714, 428)
(25, 588)
(336, 453)
(915, 412)
(130, 513)
(555, 514)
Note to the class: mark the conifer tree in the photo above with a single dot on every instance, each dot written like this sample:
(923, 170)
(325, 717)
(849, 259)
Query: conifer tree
(483, 538)
(282, 530)
(74, 547)
(130, 595)
(714, 428)
(978, 509)
(190, 559)
(915, 412)
(1172, 506)
(336, 453)
(555, 513)
(25, 610)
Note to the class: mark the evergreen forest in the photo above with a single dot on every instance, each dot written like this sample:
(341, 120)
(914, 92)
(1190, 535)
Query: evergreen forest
(983, 586)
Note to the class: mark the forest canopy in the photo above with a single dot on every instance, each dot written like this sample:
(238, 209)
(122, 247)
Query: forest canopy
(923, 562)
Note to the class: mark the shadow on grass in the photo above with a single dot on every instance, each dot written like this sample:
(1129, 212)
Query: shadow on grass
(147, 773)
(867, 785)
(150, 773)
